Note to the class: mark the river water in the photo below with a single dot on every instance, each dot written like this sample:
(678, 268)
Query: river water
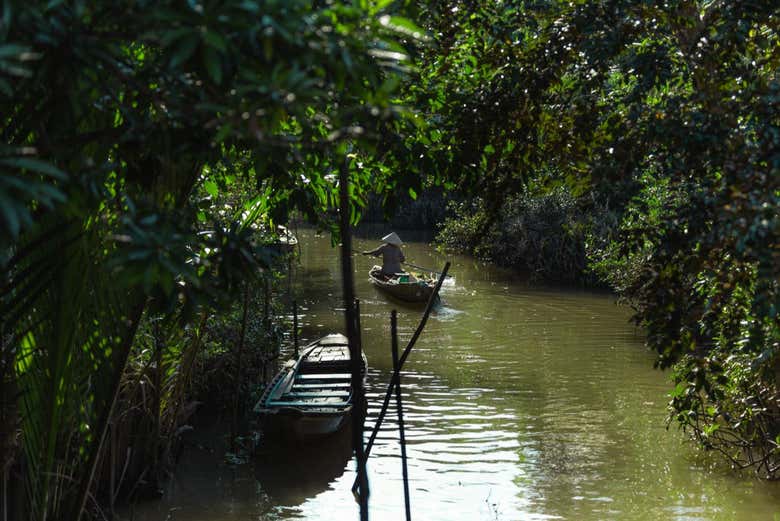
(520, 403)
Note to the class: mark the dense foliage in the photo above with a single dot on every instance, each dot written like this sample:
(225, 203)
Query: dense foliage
(145, 144)
(669, 114)
(116, 118)
(545, 236)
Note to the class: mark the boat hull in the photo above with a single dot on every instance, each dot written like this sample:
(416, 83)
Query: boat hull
(294, 425)
(417, 292)
(311, 397)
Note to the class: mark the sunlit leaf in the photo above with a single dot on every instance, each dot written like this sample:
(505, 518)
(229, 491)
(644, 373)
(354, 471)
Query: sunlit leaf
(211, 187)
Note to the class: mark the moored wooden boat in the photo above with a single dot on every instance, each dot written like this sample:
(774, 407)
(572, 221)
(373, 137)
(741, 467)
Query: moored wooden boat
(403, 286)
(287, 241)
(310, 397)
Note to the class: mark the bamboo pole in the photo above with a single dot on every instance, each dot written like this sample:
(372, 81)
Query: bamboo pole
(239, 367)
(404, 356)
(400, 409)
(5, 421)
(352, 336)
(4, 492)
(157, 398)
(112, 487)
(267, 303)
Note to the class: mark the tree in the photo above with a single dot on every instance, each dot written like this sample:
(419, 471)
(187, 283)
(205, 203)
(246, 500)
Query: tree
(111, 114)
(668, 113)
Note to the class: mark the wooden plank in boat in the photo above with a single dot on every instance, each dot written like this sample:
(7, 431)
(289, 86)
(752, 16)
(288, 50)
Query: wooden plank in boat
(337, 404)
(327, 355)
(323, 385)
(333, 340)
(326, 376)
(323, 394)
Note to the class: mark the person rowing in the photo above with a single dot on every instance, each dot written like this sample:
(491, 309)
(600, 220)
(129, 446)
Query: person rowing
(392, 255)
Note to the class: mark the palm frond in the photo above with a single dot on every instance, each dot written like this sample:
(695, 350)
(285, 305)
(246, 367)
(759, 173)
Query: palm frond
(72, 328)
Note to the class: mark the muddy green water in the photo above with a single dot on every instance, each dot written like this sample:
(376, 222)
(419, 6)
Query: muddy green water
(521, 403)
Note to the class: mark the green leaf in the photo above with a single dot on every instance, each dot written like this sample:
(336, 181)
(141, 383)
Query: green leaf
(679, 390)
(5, 21)
(213, 64)
(211, 187)
(5, 88)
(403, 26)
(13, 50)
(709, 430)
(139, 255)
(10, 216)
(15, 70)
(215, 41)
(29, 163)
(184, 50)
(176, 34)
(379, 5)
(149, 220)
(53, 4)
(223, 132)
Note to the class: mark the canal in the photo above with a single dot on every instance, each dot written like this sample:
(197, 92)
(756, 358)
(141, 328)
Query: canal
(521, 403)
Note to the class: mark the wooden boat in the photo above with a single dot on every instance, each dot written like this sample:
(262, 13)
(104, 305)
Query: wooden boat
(403, 286)
(310, 397)
(287, 241)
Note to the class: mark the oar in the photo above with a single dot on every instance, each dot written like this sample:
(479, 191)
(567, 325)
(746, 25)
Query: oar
(412, 265)
(424, 269)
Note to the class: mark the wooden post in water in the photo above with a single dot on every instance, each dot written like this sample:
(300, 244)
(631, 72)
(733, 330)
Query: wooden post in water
(289, 275)
(239, 368)
(295, 327)
(266, 304)
(399, 406)
(352, 337)
(386, 403)
(359, 336)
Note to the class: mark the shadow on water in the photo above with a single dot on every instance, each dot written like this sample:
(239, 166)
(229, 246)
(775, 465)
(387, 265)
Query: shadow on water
(291, 474)
(276, 484)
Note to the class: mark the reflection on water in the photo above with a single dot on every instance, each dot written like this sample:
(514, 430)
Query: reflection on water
(519, 403)
(290, 475)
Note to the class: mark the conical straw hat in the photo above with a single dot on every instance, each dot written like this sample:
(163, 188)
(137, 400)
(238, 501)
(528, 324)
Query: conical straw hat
(392, 238)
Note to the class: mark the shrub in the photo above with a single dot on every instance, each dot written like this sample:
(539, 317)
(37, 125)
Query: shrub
(545, 236)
